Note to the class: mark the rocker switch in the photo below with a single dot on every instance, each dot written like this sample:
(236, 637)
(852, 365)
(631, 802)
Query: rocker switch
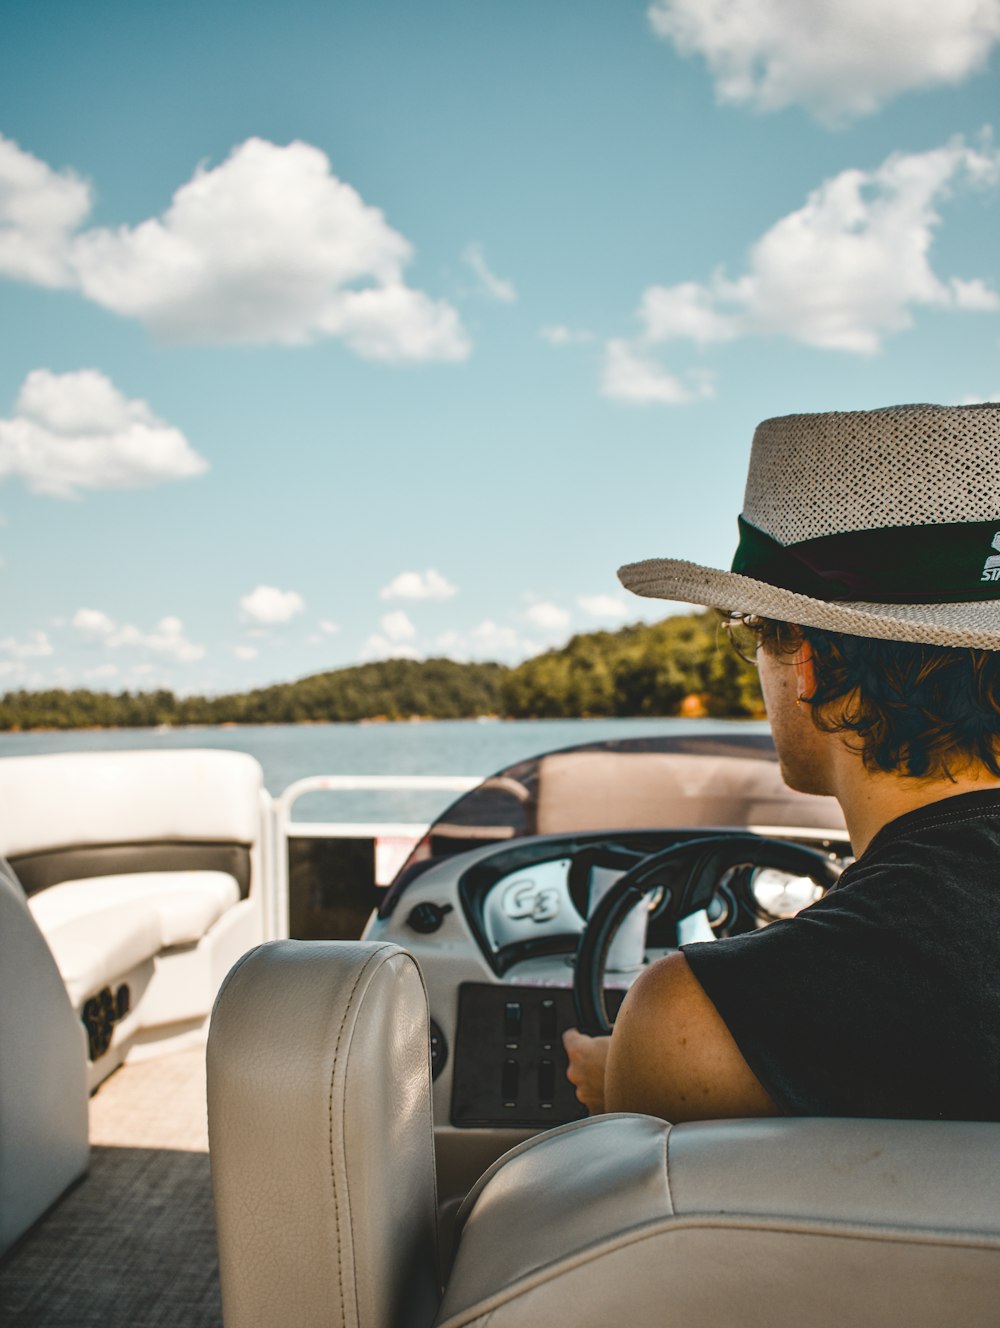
(547, 1022)
(546, 1082)
(508, 1083)
(512, 1023)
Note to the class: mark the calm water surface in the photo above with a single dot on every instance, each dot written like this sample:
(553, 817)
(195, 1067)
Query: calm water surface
(288, 752)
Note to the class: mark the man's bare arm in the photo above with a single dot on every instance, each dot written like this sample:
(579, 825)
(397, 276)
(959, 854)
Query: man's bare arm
(672, 1055)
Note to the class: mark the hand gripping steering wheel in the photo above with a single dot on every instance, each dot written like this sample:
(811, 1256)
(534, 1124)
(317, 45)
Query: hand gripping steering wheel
(689, 875)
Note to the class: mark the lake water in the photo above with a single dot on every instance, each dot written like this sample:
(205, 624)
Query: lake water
(288, 752)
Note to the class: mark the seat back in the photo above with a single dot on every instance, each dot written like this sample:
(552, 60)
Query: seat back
(43, 1087)
(320, 1133)
(749, 1224)
(592, 790)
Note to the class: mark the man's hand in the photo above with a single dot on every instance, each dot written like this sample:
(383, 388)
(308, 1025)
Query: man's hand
(587, 1059)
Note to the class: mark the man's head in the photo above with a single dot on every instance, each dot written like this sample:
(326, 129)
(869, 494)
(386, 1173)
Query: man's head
(875, 532)
(924, 712)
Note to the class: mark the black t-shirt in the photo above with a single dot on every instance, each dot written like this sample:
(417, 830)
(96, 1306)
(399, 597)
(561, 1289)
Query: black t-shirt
(883, 997)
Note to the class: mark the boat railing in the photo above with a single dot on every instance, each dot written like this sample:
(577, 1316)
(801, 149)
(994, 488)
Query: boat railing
(393, 839)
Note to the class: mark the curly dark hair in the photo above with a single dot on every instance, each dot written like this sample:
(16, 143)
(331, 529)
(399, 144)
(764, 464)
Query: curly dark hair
(920, 710)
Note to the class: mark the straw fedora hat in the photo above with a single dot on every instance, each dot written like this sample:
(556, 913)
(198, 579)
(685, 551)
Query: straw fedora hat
(882, 523)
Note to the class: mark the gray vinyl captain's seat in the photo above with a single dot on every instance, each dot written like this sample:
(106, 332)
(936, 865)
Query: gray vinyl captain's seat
(320, 1130)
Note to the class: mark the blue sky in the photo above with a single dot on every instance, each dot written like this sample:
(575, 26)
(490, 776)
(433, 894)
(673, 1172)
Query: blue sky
(331, 330)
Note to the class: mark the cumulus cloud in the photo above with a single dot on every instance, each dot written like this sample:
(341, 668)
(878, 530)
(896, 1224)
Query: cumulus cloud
(419, 585)
(632, 375)
(558, 334)
(839, 59)
(549, 617)
(604, 606)
(77, 431)
(268, 606)
(36, 645)
(843, 272)
(397, 626)
(270, 246)
(381, 647)
(488, 640)
(167, 638)
(93, 622)
(327, 627)
(39, 210)
(245, 652)
(496, 287)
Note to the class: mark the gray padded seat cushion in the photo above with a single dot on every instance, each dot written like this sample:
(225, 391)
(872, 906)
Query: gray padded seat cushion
(626, 1219)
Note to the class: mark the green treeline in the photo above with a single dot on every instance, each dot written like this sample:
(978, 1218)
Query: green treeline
(639, 670)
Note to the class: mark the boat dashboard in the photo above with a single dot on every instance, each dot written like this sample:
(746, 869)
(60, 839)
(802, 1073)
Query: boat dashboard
(496, 929)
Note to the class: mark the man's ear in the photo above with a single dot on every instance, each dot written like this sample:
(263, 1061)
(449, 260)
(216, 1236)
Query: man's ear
(805, 671)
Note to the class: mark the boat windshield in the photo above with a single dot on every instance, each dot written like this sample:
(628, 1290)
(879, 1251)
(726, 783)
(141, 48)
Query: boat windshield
(712, 779)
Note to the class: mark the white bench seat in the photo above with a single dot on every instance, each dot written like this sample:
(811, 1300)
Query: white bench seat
(102, 928)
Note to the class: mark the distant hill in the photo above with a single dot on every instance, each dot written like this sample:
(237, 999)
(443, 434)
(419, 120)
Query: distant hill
(638, 670)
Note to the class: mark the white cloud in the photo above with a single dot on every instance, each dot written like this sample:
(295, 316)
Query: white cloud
(558, 334)
(839, 58)
(39, 210)
(979, 401)
(842, 272)
(397, 626)
(487, 640)
(496, 287)
(102, 671)
(76, 431)
(549, 617)
(93, 622)
(268, 606)
(270, 246)
(381, 647)
(245, 652)
(327, 627)
(632, 376)
(685, 311)
(605, 606)
(166, 638)
(35, 646)
(419, 585)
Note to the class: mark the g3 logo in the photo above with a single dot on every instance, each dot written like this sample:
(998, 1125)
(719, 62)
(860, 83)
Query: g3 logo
(525, 899)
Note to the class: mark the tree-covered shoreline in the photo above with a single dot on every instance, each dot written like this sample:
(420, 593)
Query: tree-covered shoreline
(680, 665)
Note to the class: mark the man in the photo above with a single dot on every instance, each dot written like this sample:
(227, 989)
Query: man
(865, 569)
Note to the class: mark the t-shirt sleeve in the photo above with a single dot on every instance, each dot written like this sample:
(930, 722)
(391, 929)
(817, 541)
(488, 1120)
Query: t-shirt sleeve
(831, 1010)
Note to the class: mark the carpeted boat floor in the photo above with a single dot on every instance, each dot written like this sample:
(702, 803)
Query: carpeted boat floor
(132, 1244)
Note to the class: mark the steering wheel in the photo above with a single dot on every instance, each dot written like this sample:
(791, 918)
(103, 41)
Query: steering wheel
(689, 875)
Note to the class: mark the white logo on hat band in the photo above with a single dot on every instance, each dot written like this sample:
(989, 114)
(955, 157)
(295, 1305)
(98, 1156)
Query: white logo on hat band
(991, 567)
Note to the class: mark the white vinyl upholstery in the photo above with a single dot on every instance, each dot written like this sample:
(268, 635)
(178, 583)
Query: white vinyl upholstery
(320, 1127)
(118, 846)
(101, 928)
(320, 1131)
(43, 1088)
(80, 798)
(735, 1224)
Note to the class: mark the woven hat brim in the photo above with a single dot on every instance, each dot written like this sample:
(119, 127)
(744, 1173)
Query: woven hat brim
(972, 625)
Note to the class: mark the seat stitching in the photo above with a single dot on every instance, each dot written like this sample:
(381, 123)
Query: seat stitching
(333, 1164)
(666, 1164)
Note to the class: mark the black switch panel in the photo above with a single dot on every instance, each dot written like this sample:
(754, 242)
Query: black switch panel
(509, 1063)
